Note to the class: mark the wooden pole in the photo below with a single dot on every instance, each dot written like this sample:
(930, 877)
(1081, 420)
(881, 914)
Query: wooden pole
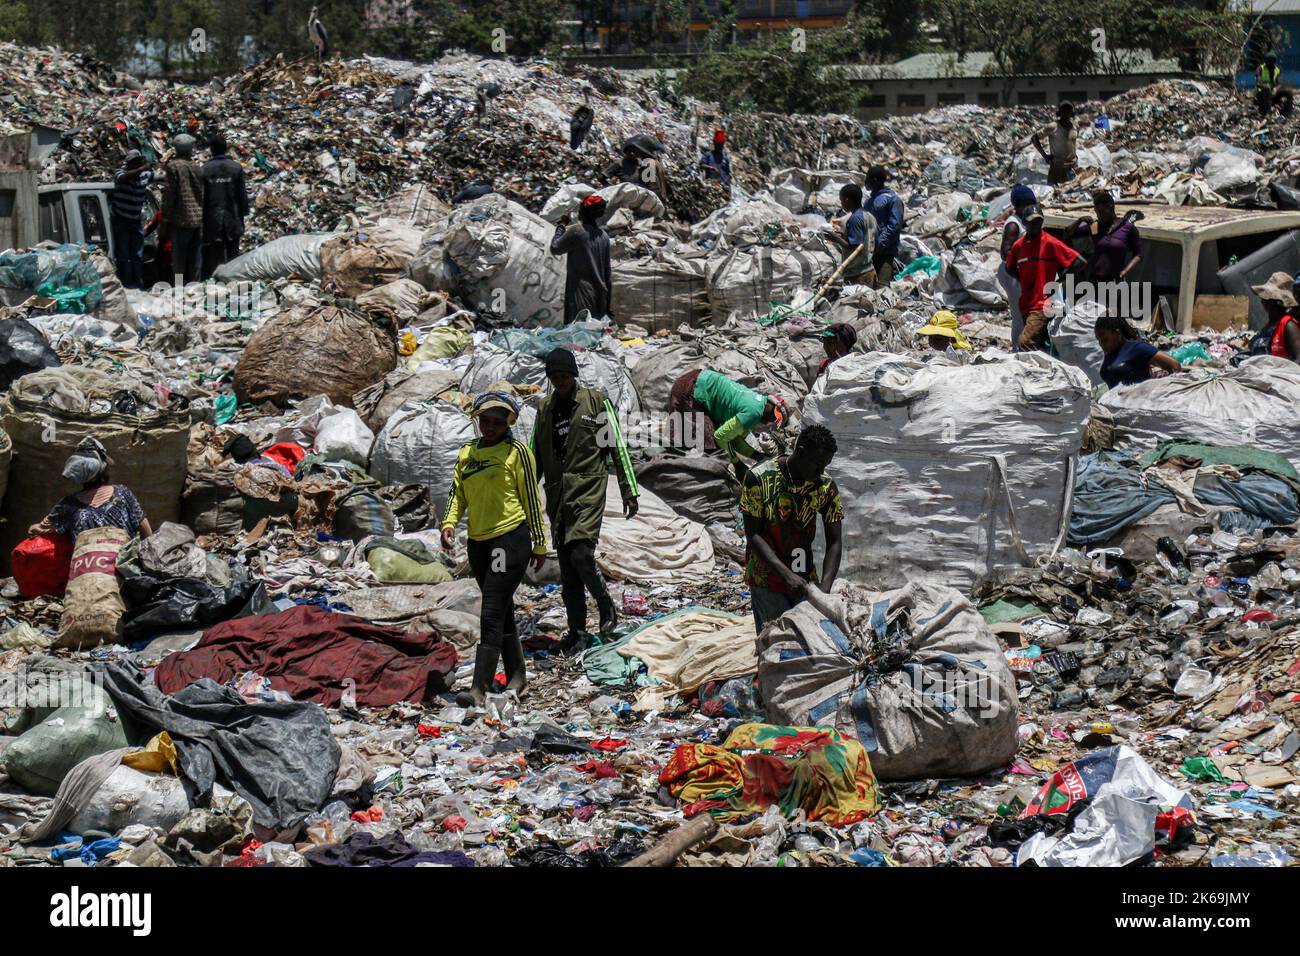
(667, 850)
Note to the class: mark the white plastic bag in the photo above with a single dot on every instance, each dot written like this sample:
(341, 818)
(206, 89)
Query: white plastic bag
(343, 436)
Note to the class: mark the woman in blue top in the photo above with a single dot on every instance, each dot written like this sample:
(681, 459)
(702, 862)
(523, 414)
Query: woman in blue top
(1129, 360)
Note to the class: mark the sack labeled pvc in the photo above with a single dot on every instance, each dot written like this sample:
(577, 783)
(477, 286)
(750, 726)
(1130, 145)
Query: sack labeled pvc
(92, 606)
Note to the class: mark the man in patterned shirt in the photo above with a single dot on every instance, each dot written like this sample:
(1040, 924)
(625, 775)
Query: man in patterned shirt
(780, 501)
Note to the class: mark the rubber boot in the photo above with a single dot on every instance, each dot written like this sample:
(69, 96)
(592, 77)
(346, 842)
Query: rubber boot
(512, 655)
(485, 669)
(608, 618)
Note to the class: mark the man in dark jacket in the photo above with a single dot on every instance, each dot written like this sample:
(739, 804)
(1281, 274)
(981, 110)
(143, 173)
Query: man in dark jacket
(182, 206)
(587, 280)
(126, 205)
(575, 438)
(225, 204)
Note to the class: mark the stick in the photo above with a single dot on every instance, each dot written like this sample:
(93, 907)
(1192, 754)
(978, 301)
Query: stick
(667, 850)
(838, 272)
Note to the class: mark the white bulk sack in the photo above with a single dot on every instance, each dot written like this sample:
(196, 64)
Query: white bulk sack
(914, 674)
(659, 292)
(130, 798)
(1255, 404)
(949, 472)
(1074, 337)
(419, 445)
(503, 262)
(277, 259)
(489, 365)
(747, 281)
(638, 200)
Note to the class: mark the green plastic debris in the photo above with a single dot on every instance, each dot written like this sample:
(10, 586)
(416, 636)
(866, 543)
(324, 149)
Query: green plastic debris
(225, 407)
(1190, 353)
(930, 265)
(1000, 612)
(67, 299)
(1202, 768)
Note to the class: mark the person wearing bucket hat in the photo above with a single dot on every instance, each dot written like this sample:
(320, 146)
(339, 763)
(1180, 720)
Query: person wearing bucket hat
(707, 409)
(838, 340)
(1036, 261)
(588, 278)
(716, 162)
(944, 332)
(1280, 335)
(495, 486)
(576, 439)
(126, 204)
(99, 504)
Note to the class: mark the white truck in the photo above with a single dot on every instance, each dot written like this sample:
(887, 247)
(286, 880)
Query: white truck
(61, 212)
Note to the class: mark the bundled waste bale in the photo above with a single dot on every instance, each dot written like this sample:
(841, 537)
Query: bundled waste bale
(418, 445)
(1256, 404)
(660, 292)
(302, 352)
(66, 273)
(49, 413)
(377, 403)
(503, 263)
(798, 189)
(748, 281)
(639, 201)
(92, 605)
(950, 472)
(416, 205)
(278, 259)
(211, 503)
(654, 368)
(442, 342)
(130, 797)
(595, 370)
(914, 674)
(353, 262)
(396, 303)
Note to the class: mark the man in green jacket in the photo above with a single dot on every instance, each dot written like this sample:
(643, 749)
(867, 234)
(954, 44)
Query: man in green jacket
(575, 439)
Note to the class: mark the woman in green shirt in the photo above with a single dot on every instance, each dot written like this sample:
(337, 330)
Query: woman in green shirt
(725, 411)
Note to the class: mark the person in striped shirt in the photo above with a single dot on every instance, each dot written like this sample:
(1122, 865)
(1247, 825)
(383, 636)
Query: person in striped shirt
(126, 205)
(495, 487)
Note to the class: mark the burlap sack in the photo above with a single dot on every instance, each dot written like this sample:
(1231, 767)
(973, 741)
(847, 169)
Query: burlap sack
(92, 605)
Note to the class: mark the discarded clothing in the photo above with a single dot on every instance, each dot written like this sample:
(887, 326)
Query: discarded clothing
(313, 654)
(813, 769)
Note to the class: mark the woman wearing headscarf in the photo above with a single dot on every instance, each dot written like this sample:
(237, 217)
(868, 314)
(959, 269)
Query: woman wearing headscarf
(99, 504)
(944, 332)
(495, 487)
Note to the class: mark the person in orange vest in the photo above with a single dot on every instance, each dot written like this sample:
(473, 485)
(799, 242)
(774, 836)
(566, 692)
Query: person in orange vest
(1269, 91)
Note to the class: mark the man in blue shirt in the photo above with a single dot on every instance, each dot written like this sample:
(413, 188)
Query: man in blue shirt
(854, 224)
(717, 163)
(887, 209)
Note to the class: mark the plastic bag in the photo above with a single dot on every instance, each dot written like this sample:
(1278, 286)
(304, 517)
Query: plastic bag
(343, 436)
(23, 349)
(40, 565)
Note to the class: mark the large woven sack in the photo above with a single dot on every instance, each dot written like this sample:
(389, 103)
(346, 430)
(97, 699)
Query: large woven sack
(377, 403)
(397, 302)
(365, 258)
(416, 205)
(653, 370)
(914, 674)
(289, 255)
(303, 352)
(419, 445)
(211, 503)
(92, 604)
(660, 292)
(148, 453)
(747, 282)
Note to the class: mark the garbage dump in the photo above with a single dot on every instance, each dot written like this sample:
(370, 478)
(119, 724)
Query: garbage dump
(1062, 628)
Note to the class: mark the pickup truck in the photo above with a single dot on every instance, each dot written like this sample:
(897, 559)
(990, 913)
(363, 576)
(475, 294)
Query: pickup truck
(62, 212)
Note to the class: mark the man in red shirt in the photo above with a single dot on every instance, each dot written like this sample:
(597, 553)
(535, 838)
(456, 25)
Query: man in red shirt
(1037, 259)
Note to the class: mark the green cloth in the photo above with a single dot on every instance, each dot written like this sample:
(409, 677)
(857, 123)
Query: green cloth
(1000, 612)
(1202, 768)
(1238, 456)
(575, 483)
(397, 561)
(605, 666)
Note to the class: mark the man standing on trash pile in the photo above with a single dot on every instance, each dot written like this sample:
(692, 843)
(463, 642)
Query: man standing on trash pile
(495, 485)
(1269, 91)
(587, 277)
(1036, 260)
(1063, 139)
(1022, 197)
(225, 205)
(780, 501)
(838, 340)
(716, 163)
(887, 209)
(1280, 335)
(182, 206)
(642, 167)
(722, 412)
(575, 439)
(852, 222)
(130, 190)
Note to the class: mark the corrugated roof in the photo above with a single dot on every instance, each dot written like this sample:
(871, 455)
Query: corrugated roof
(978, 63)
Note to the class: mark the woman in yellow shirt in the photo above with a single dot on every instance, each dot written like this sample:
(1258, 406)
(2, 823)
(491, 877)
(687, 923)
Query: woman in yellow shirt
(495, 487)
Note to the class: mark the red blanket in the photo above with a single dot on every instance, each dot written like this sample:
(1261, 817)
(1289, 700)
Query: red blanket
(313, 654)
